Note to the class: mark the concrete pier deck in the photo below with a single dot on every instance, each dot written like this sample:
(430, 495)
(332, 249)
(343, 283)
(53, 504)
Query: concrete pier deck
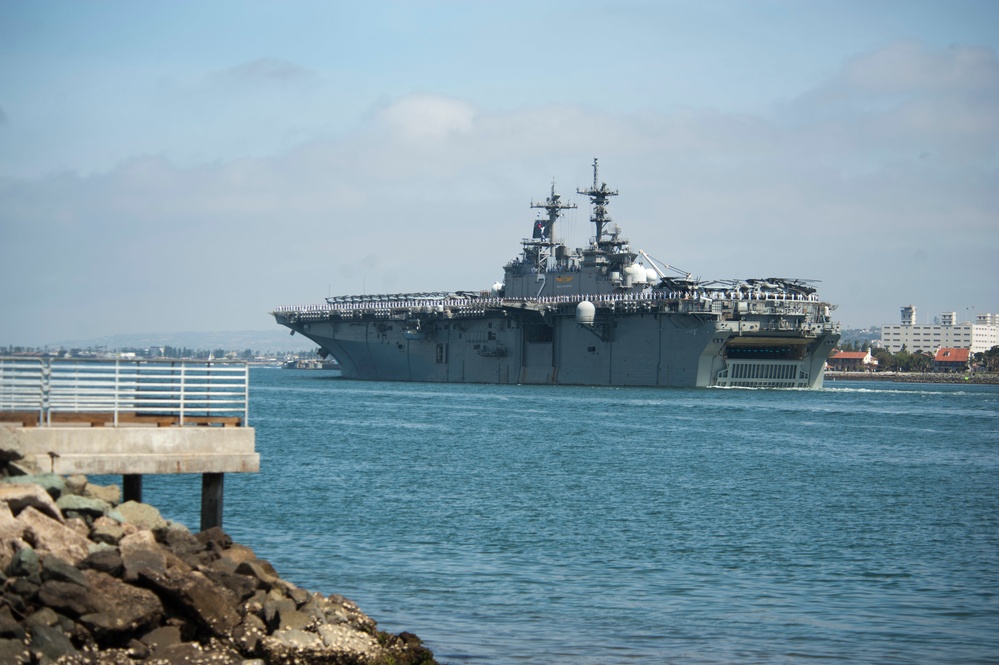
(129, 419)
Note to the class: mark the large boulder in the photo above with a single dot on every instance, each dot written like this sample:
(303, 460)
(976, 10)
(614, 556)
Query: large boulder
(19, 496)
(49, 536)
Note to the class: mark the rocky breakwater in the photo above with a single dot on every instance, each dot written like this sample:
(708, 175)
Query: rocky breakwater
(87, 579)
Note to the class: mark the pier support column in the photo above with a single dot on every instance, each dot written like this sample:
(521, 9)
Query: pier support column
(132, 487)
(211, 500)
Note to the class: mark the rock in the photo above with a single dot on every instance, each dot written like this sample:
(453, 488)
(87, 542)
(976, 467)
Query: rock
(27, 564)
(344, 638)
(79, 525)
(258, 571)
(106, 530)
(82, 505)
(119, 608)
(53, 484)
(139, 552)
(66, 597)
(241, 586)
(110, 494)
(43, 617)
(106, 561)
(9, 627)
(215, 535)
(13, 652)
(142, 515)
(76, 484)
(202, 600)
(281, 614)
(54, 568)
(162, 637)
(248, 633)
(191, 653)
(19, 496)
(48, 644)
(49, 536)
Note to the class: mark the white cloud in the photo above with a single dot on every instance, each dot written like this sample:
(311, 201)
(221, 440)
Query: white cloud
(425, 118)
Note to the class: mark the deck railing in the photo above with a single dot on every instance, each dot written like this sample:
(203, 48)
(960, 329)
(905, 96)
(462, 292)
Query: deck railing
(124, 391)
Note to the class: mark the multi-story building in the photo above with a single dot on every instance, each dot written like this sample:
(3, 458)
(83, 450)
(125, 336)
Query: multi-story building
(979, 336)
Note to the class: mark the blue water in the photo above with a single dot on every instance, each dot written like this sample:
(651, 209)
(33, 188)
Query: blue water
(527, 524)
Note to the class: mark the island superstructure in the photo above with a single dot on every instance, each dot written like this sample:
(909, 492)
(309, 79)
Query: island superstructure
(599, 315)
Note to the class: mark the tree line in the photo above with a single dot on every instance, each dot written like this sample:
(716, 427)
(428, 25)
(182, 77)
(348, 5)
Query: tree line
(919, 361)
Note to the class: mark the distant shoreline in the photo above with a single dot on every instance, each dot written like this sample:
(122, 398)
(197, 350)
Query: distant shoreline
(915, 377)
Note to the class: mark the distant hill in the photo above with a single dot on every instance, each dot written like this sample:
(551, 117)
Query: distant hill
(277, 340)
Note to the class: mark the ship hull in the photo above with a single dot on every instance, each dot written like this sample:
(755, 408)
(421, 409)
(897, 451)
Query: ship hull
(508, 346)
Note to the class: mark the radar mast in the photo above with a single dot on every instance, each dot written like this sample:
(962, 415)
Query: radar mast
(598, 197)
(554, 207)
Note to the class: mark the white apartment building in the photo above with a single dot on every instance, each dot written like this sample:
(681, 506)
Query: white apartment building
(979, 336)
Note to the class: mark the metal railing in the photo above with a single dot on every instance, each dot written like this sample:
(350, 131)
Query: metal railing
(126, 390)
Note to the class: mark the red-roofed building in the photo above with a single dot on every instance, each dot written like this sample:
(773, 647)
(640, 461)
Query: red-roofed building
(951, 360)
(852, 361)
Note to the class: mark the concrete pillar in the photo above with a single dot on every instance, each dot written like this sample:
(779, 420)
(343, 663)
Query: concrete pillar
(211, 500)
(132, 487)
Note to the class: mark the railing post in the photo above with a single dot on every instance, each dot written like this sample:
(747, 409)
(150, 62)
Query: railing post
(46, 416)
(117, 388)
(183, 368)
(246, 395)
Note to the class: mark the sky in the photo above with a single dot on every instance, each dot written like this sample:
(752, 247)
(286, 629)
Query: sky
(190, 166)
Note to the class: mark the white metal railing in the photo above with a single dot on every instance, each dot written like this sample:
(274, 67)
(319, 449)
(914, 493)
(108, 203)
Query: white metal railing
(184, 389)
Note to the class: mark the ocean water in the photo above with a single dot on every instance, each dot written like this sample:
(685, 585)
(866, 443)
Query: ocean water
(539, 524)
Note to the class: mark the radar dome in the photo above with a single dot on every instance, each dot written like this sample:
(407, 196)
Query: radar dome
(585, 313)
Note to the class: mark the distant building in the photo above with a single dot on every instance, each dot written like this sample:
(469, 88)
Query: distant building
(978, 337)
(852, 361)
(952, 360)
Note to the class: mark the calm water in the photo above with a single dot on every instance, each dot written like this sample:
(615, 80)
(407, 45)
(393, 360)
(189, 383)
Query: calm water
(520, 524)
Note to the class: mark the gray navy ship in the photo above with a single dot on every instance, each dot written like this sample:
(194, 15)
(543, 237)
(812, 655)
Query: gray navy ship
(601, 315)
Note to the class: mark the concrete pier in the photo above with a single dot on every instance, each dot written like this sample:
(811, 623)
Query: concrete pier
(129, 418)
(134, 451)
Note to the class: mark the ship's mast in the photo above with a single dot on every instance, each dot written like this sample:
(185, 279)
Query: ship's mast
(554, 207)
(598, 197)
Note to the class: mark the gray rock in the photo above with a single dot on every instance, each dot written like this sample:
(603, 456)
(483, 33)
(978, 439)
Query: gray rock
(258, 571)
(26, 563)
(249, 633)
(54, 568)
(119, 609)
(107, 531)
(197, 595)
(53, 484)
(49, 536)
(46, 616)
(140, 551)
(241, 586)
(142, 515)
(66, 597)
(76, 483)
(21, 496)
(9, 627)
(107, 561)
(48, 644)
(14, 652)
(110, 494)
(83, 505)
(162, 637)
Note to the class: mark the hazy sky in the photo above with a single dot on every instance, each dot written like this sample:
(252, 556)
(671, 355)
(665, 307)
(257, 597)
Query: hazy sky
(188, 166)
